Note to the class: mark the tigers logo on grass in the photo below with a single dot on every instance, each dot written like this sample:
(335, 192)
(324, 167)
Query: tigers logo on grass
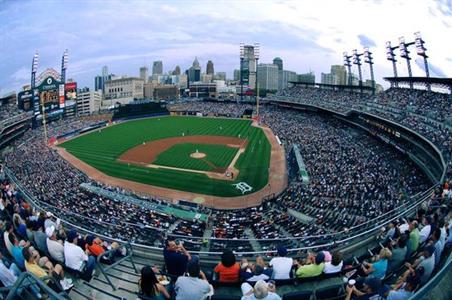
(243, 187)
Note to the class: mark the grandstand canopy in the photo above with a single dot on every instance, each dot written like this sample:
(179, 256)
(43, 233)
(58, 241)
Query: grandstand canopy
(354, 88)
(444, 83)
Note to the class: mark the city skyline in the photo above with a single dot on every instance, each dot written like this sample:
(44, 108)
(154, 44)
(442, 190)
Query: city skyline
(306, 35)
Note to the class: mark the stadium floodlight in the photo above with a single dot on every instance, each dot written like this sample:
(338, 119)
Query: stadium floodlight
(404, 53)
(420, 50)
(369, 60)
(35, 62)
(65, 59)
(357, 61)
(348, 64)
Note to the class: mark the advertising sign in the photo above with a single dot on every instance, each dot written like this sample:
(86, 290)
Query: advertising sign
(61, 95)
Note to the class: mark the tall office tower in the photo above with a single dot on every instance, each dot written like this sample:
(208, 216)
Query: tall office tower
(236, 75)
(144, 74)
(278, 61)
(248, 67)
(209, 68)
(268, 76)
(339, 74)
(176, 71)
(157, 67)
(194, 73)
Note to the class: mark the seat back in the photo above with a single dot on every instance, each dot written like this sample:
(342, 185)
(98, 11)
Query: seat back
(330, 292)
(299, 295)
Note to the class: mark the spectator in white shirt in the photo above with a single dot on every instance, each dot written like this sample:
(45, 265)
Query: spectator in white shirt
(281, 265)
(8, 276)
(335, 265)
(426, 230)
(55, 247)
(8, 230)
(76, 258)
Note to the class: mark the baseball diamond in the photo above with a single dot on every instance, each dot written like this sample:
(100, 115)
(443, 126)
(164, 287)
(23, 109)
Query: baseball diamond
(162, 152)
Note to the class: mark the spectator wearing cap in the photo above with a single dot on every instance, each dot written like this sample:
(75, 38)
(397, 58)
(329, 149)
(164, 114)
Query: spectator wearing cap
(228, 269)
(54, 246)
(315, 266)
(76, 258)
(48, 221)
(335, 265)
(370, 290)
(426, 230)
(424, 265)
(194, 286)
(176, 258)
(260, 292)
(281, 264)
(379, 267)
(405, 289)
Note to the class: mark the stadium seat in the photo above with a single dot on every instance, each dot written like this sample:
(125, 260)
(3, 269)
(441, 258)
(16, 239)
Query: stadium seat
(330, 293)
(224, 297)
(299, 295)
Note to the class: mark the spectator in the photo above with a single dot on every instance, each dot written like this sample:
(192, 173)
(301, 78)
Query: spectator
(8, 230)
(426, 230)
(414, 239)
(399, 252)
(281, 265)
(150, 287)
(40, 239)
(424, 265)
(335, 265)
(54, 246)
(76, 259)
(194, 286)
(379, 267)
(8, 276)
(261, 291)
(404, 290)
(370, 290)
(260, 261)
(314, 267)
(228, 269)
(176, 258)
(17, 250)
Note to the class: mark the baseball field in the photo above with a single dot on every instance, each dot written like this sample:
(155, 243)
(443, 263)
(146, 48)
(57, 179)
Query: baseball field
(194, 154)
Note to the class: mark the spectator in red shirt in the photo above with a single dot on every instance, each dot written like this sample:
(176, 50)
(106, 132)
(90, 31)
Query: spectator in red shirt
(228, 269)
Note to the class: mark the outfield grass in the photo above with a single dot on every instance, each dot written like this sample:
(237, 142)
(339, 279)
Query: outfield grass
(178, 156)
(101, 149)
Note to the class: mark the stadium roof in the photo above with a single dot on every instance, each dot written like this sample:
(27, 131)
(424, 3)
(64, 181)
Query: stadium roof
(333, 86)
(423, 81)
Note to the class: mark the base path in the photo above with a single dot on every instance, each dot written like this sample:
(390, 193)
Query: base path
(276, 184)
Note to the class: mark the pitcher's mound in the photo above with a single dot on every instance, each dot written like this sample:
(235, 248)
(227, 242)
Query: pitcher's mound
(198, 155)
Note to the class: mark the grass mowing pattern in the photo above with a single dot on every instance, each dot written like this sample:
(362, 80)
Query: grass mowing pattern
(100, 149)
(179, 156)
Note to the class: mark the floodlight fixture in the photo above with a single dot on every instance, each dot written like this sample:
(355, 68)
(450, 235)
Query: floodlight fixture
(35, 63)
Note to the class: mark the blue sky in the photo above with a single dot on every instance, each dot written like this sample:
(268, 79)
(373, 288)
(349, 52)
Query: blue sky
(124, 35)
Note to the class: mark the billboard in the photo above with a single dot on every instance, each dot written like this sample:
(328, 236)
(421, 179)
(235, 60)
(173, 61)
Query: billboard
(25, 100)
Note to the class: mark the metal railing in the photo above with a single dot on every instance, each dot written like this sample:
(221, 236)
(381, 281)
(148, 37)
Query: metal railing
(28, 280)
(104, 268)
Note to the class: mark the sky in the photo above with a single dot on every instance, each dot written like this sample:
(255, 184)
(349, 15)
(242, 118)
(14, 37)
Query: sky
(125, 35)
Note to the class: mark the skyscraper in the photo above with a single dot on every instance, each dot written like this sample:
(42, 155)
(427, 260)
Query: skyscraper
(157, 67)
(209, 68)
(268, 76)
(278, 61)
(176, 71)
(144, 74)
(236, 75)
(248, 67)
(194, 73)
(339, 74)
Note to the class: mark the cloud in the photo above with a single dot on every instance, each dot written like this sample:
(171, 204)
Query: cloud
(21, 74)
(366, 41)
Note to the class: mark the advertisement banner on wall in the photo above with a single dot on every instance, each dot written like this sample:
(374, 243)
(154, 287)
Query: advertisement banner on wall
(61, 95)
(36, 102)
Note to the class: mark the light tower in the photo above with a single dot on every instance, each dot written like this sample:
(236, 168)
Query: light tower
(64, 61)
(348, 64)
(391, 57)
(34, 69)
(420, 49)
(242, 57)
(404, 53)
(357, 61)
(369, 60)
(256, 57)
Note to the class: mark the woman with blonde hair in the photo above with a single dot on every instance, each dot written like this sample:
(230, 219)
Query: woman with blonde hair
(379, 266)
